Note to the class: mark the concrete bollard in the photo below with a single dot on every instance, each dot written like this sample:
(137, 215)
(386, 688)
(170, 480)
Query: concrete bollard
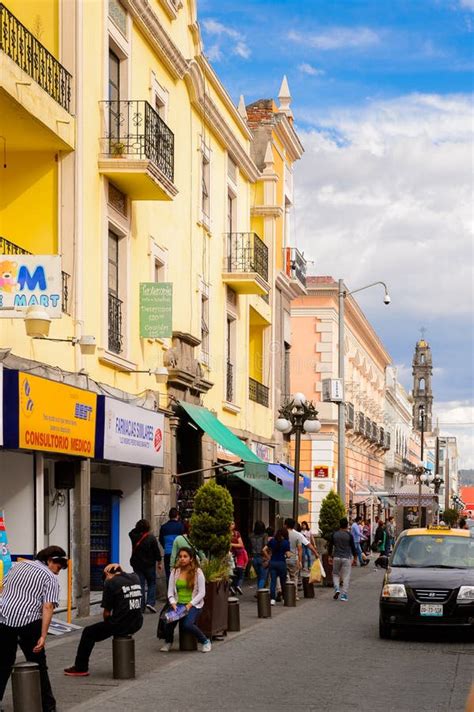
(233, 615)
(263, 603)
(187, 641)
(26, 688)
(308, 588)
(123, 657)
(290, 594)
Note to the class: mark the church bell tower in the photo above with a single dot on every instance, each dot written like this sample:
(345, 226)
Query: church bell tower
(422, 390)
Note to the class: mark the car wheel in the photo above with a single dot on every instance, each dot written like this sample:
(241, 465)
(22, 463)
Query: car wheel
(385, 630)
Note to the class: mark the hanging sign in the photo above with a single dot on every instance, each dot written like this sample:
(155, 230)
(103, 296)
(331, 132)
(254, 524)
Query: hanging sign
(332, 390)
(5, 558)
(156, 310)
(321, 471)
(133, 434)
(55, 417)
(30, 281)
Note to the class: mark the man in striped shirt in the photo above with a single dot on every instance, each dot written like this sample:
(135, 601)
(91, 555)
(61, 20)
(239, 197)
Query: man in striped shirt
(30, 595)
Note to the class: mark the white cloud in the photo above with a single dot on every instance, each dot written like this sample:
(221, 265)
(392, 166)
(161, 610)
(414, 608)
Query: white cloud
(337, 38)
(306, 68)
(385, 192)
(456, 418)
(467, 4)
(220, 33)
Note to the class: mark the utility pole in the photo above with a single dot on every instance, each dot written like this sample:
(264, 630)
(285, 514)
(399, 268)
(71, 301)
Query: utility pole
(341, 419)
(422, 453)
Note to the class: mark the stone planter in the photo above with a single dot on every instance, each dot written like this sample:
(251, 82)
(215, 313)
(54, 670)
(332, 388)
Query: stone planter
(213, 619)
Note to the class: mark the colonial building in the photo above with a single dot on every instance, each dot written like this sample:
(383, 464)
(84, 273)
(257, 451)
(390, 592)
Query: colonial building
(400, 460)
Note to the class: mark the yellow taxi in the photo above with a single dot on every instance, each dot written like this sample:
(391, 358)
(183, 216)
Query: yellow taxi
(429, 580)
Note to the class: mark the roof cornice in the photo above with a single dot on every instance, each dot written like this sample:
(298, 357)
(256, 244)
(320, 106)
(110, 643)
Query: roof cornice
(288, 136)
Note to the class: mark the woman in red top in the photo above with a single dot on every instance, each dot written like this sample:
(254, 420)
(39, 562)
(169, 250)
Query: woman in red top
(241, 559)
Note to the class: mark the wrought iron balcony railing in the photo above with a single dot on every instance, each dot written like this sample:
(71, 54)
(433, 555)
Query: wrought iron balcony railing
(133, 129)
(229, 384)
(9, 248)
(258, 392)
(25, 50)
(115, 324)
(246, 252)
(65, 277)
(295, 264)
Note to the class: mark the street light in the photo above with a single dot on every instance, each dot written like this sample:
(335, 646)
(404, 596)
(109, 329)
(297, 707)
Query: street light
(296, 416)
(421, 471)
(341, 435)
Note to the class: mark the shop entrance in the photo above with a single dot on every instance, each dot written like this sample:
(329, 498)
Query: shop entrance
(189, 459)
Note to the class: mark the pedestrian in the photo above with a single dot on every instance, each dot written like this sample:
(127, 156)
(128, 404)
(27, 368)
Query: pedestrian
(187, 586)
(258, 542)
(306, 531)
(296, 540)
(30, 595)
(341, 550)
(168, 533)
(390, 528)
(122, 615)
(381, 540)
(145, 560)
(365, 537)
(462, 524)
(241, 558)
(186, 541)
(356, 535)
(278, 549)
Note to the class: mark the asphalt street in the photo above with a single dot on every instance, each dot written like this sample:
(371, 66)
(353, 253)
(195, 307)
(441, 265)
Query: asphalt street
(322, 655)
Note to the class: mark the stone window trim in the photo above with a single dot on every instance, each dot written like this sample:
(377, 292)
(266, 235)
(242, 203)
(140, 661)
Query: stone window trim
(117, 41)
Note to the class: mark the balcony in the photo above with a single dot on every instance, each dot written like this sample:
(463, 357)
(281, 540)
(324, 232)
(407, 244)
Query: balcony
(137, 150)
(35, 96)
(350, 416)
(246, 263)
(258, 392)
(294, 266)
(115, 324)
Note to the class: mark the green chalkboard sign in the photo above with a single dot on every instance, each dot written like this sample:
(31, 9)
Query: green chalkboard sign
(156, 310)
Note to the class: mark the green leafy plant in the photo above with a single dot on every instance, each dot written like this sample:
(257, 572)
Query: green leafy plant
(118, 148)
(450, 517)
(215, 569)
(332, 510)
(210, 526)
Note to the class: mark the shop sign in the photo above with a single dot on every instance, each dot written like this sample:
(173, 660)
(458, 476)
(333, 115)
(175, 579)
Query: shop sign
(1, 404)
(30, 281)
(264, 452)
(5, 558)
(321, 471)
(132, 434)
(55, 417)
(156, 310)
(332, 390)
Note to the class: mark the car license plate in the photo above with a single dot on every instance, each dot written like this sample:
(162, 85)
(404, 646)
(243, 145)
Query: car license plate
(431, 609)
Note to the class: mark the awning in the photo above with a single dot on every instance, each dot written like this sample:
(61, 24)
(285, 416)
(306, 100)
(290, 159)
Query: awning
(285, 474)
(225, 437)
(264, 485)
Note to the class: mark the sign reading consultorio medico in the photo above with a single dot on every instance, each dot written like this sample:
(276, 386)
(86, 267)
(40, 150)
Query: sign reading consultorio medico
(55, 417)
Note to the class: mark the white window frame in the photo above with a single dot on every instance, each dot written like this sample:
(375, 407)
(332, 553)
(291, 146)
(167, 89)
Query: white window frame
(158, 92)
(205, 320)
(205, 159)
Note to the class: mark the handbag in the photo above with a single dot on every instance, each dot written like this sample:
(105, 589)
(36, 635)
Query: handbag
(160, 631)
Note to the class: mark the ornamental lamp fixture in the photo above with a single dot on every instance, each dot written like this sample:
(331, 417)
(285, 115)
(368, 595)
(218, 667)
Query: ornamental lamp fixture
(37, 322)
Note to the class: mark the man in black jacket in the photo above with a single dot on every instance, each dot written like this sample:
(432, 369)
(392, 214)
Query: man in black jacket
(145, 559)
(122, 604)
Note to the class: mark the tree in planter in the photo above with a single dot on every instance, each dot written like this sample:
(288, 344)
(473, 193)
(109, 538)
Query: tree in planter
(450, 517)
(332, 511)
(210, 526)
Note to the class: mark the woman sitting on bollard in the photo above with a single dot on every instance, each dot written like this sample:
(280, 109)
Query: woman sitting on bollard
(278, 549)
(187, 586)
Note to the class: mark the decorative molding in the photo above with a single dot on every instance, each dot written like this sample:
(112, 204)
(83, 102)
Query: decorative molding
(289, 138)
(171, 7)
(231, 407)
(267, 211)
(118, 362)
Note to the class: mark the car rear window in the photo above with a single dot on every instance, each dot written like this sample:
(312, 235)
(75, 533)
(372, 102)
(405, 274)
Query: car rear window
(434, 551)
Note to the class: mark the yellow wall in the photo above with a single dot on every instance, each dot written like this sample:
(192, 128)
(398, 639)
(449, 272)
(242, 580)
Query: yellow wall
(41, 18)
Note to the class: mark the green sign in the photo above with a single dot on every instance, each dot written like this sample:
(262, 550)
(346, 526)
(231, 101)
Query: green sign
(156, 310)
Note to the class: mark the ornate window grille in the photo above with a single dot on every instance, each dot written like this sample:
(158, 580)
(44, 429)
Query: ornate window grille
(258, 392)
(115, 324)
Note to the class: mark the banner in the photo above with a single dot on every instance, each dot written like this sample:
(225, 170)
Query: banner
(133, 434)
(56, 417)
(5, 558)
(156, 310)
(30, 281)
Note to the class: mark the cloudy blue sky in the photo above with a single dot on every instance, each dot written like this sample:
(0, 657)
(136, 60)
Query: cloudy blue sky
(382, 99)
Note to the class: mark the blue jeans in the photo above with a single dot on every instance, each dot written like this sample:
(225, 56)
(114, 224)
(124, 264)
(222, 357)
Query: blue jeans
(188, 624)
(359, 552)
(260, 570)
(307, 559)
(148, 577)
(277, 571)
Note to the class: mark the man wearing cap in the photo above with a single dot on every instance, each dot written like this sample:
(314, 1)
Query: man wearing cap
(122, 604)
(30, 595)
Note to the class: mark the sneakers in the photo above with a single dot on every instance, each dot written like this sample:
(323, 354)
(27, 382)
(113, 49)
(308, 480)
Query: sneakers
(239, 590)
(207, 646)
(273, 602)
(74, 672)
(344, 597)
(151, 608)
(166, 648)
(336, 594)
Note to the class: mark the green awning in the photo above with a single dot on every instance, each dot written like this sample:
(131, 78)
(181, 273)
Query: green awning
(218, 432)
(266, 486)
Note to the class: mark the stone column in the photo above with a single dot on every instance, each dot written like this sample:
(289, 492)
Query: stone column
(81, 547)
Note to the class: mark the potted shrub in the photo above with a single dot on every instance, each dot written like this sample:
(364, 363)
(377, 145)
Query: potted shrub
(332, 511)
(210, 526)
(118, 149)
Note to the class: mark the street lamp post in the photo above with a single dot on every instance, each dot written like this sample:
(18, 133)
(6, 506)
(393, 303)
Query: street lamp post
(341, 420)
(421, 470)
(297, 416)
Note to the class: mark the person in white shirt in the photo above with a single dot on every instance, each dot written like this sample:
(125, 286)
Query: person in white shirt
(296, 540)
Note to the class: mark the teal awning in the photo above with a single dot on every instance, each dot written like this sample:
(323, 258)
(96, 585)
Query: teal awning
(220, 433)
(264, 485)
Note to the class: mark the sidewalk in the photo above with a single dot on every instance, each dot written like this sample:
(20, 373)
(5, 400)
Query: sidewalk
(70, 692)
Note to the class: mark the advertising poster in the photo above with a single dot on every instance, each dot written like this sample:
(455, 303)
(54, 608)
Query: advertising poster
(30, 281)
(133, 434)
(56, 417)
(5, 558)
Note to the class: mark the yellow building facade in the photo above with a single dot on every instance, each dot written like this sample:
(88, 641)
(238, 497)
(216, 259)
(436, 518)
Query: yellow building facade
(125, 156)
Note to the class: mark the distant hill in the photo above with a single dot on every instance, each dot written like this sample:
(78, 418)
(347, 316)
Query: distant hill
(466, 477)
